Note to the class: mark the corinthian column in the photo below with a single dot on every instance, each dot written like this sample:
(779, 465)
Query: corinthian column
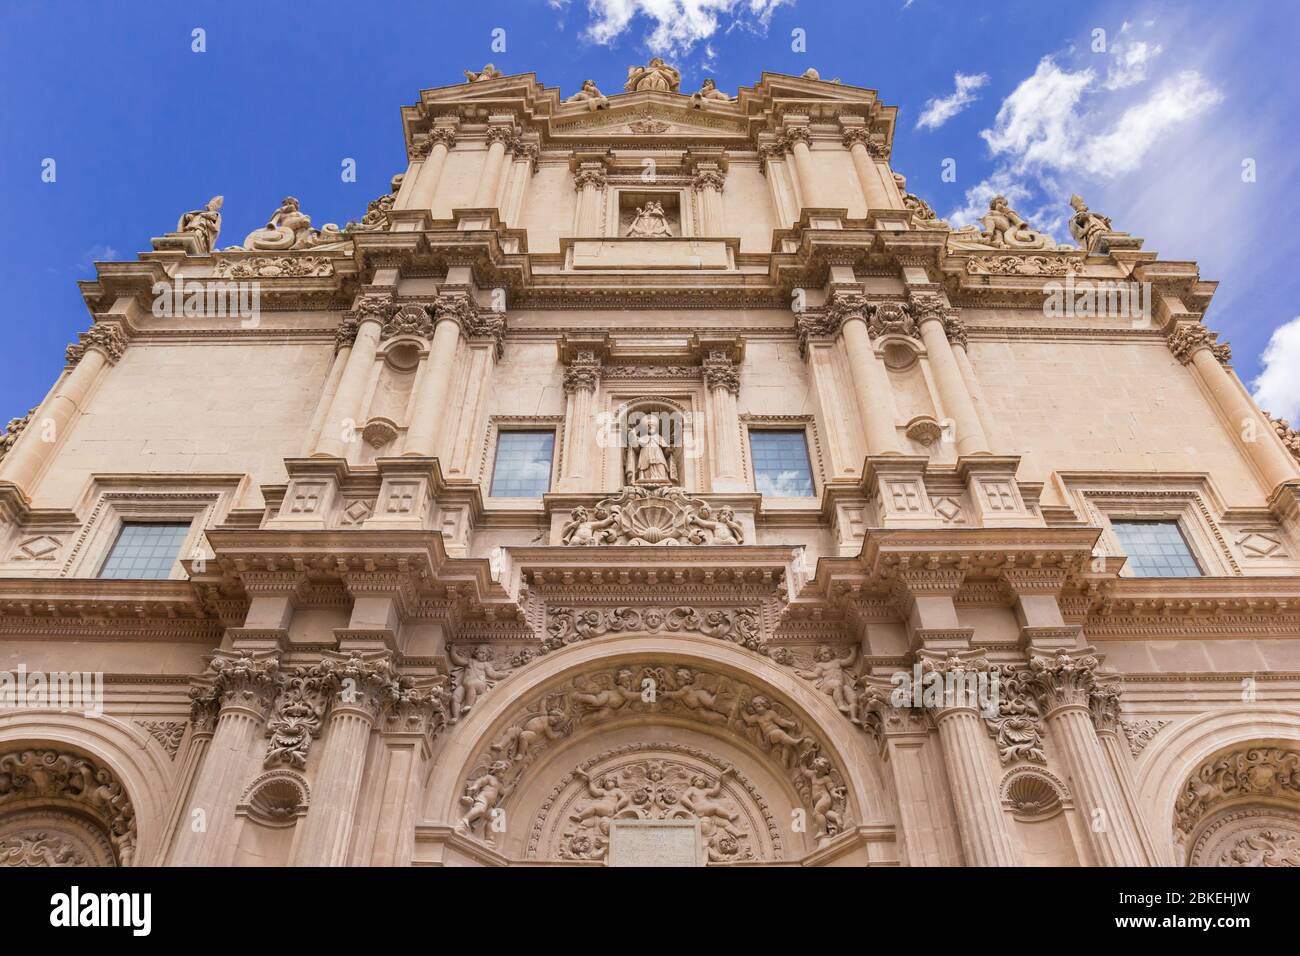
(723, 382)
(932, 319)
(858, 141)
(708, 182)
(243, 686)
(1065, 684)
(414, 718)
(971, 774)
(870, 379)
(581, 379)
(798, 138)
(1193, 343)
(439, 142)
(589, 181)
(368, 314)
(1105, 717)
(361, 686)
(100, 346)
(499, 138)
(451, 313)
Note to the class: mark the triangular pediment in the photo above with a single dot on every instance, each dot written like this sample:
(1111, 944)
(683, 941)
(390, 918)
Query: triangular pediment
(653, 115)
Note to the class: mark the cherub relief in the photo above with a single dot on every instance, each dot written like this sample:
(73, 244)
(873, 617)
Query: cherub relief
(826, 793)
(474, 676)
(724, 530)
(608, 799)
(702, 799)
(584, 528)
(829, 675)
(706, 703)
(550, 724)
(606, 703)
(483, 794)
(760, 713)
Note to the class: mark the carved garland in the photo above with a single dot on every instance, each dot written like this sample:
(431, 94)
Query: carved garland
(569, 625)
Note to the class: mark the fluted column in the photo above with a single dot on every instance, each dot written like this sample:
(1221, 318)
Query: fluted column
(1193, 343)
(1106, 719)
(341, 420)
(499, 138)
(243, 685)
(870, 379)
(798, 138)
(1064, 685)
(984, 837)
(589, 181)
(412, 721)
(100, 346)
(360, 687)
(450, 314)
(439, 142)
(525, 159)
(723, 382)
(858, 141)
(925, 818)
(708, 183)
(956, 398)
(773, 169)
(581, 379)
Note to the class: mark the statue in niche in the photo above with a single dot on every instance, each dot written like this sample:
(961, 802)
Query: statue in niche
(203, 224)
(709, 93)
(1088, 228)
(591, 95)
(650, 458)
(650, 223)
(657, 76)
(291, 228)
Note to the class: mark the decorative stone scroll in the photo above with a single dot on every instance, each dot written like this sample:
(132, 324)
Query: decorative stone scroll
(273, 267)
(568, 625)
(1248, 772)
(1024, 265)
(644, 691)
(1290, 437)
(296, 717)
(663, 515)
(408, 319)
(40, 784)
(1141, 732)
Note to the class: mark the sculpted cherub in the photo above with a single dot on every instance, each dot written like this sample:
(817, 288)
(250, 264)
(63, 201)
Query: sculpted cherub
(825, 792)
(759, 712)
(590, 95)
(702, 799)
(828, 674)
(708, 93)
(606, 703)
(551, 724)
(608, 799)
(706, 703)
(474, 676)
(489, 72)
(724, 530)
(585, 529)
(482, 794)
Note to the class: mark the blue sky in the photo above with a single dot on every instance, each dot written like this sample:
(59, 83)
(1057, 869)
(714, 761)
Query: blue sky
(1153, 129)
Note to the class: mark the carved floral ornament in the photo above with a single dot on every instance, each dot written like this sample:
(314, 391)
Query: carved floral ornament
(108, 339)
(594, 699)
(881, 318)
(1189, 337)
(37, 789)
(661, 515)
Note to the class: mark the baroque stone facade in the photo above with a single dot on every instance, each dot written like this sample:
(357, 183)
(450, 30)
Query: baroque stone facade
(919, 638)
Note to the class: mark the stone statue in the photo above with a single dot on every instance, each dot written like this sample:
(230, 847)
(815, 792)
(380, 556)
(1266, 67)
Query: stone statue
(1088, 228)
(774, 728)
(590, 95)
(702, 799)
(657, 76)
(608, 798)
(1004, 228)
(725, 530)
(650, 223)
(606, 703)
(291, 228)
(378, 216)
(828, 674)
(709, 93)
(585, 529)
(550, 724)
(203, 224)
(812, 74)
(474, 676)
(650, 458)
(483, 794)
(708, 704)
(489, 72)
(826, 794)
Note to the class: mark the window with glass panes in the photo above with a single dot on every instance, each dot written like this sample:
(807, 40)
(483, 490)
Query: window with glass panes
(1156, 549)
(145, 550)
(523, 464)
(781, 464)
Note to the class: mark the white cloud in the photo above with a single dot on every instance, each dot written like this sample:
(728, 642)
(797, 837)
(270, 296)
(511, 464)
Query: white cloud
(1277, 388)
(1173, 103)
(941, 109)
(678, 24)
(1037, 121)
(1131, 61)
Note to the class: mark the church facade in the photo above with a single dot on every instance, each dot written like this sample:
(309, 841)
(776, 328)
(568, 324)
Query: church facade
(649, 478)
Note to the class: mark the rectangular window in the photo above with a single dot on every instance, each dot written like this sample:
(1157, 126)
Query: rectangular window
(145, 551)
(1156, 549)
(782, 468)
(523, 464)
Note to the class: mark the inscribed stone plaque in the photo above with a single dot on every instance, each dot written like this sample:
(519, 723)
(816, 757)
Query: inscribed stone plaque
(655, 843)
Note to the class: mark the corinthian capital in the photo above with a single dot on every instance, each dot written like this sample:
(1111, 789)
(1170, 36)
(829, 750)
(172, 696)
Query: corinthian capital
(1063, 681)
(501, 134)
(458, 307)
(1190, 337)
(108, 339)
(364, 683)
(237, 679)
(583, 373)
(592, 176)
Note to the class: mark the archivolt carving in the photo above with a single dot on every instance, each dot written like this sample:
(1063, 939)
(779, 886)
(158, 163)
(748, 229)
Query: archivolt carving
(720, 701)
(40, 780)
(568, 625)
(658, 515)
(474, 674)
(42, 838)
(1253, 772)
(1249, 837)
(655, 782)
